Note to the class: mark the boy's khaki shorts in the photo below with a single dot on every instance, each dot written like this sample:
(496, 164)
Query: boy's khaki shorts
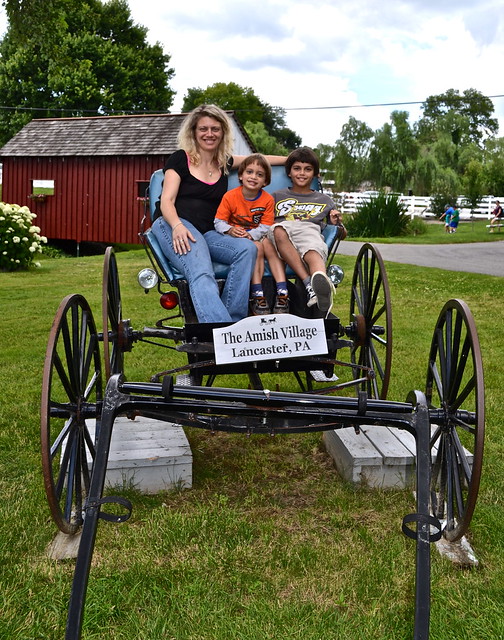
(305, 236)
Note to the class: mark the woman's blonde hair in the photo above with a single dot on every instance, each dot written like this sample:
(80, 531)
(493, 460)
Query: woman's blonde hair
(187, 134)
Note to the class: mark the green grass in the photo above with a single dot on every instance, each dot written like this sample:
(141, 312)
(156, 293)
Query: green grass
(270, 543)
(467, 232)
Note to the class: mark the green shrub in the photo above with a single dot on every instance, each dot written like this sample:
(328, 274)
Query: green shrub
(382, 216)
(416, 227)
(19, 238)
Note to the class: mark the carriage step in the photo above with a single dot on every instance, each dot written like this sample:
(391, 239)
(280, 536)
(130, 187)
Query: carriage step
(148, 455)
(381, 457)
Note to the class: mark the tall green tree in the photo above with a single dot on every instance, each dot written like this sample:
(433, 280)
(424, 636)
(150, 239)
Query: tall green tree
(475, 108)
(393, 154)
(248, 108)
(95, 60)
(351, 155)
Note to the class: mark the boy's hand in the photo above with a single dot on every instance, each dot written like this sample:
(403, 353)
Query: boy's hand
(237, 232)
(335, 217)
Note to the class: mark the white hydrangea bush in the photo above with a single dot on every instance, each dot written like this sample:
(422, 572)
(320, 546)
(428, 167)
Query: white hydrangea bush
(20, 239)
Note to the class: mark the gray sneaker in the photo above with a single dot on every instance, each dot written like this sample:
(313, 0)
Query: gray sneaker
(312, 298)
(324, 290)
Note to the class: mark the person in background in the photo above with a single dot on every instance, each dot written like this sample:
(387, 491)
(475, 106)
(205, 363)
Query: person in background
(497, 214)
(454, 219)
(448, 212)
(195, 179)
(247, 212)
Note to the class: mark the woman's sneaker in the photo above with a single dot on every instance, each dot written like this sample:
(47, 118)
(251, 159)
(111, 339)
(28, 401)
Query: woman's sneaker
(281, 304)
(259, 306)
(324, 290)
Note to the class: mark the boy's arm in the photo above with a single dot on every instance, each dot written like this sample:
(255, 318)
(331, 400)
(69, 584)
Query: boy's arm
(259, 231)
(221, 225)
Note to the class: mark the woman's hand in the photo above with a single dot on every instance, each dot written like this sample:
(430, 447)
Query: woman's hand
(181, 239)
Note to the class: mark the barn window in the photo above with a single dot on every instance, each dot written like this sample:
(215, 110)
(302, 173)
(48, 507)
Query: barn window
(41, 189)
(141, 189)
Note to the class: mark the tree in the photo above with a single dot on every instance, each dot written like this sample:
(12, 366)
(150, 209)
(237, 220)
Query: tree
(475, 108)
(263, 142)
(493, 167)
(472, 185)
(393, 154)
(248, 108)
(103, 64)
(351, 154)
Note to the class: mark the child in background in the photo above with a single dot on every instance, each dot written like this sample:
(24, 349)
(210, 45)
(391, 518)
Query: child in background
(454, 219)
(247, 212)
(300, 215)
(448, 212)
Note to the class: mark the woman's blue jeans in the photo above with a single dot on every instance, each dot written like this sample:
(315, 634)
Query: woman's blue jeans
(196, 267)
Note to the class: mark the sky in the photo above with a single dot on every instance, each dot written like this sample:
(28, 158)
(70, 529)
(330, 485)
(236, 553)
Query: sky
(322, 62)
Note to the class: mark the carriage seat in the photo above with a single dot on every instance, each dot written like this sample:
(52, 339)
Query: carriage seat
(279, 180)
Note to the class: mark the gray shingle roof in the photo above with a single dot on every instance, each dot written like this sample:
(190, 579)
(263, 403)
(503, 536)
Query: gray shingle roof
(98, 136)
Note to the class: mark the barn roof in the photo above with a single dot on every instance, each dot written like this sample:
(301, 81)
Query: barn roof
(101, 136)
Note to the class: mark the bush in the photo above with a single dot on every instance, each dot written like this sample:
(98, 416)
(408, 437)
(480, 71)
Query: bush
(416, 227)
(19, 238)
(382, 216)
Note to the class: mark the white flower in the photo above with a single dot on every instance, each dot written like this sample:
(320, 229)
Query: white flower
(32, 249)
(16, 239)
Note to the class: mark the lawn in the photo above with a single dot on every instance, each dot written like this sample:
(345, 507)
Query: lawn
(435, 234)
(269, 543)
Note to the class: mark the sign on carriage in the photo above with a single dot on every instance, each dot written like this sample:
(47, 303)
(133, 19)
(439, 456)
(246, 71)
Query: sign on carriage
(269, 338)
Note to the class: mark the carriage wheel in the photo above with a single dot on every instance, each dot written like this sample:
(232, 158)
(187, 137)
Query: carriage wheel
(71, 394)
(371, 320)
(113, 325)
(455, 388)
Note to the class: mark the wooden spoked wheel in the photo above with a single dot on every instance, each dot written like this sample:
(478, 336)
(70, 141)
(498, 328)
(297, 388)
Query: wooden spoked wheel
(371, 318)
(70, 410)
(455, 389)
(113, 326)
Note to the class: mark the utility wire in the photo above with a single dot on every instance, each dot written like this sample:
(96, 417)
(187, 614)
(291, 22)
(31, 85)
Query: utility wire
(145, 112)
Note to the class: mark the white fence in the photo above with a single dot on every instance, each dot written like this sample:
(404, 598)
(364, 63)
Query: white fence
(418, 205)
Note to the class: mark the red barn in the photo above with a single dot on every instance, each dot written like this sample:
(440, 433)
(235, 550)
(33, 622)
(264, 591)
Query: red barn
(93, 170)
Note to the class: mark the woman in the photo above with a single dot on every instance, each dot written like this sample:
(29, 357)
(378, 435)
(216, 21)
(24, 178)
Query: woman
(195, 180)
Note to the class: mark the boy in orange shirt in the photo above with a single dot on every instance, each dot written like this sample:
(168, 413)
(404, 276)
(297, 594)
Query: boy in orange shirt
(247, 212)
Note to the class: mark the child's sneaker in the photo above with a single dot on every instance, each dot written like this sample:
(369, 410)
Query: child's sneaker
(324, 290)
(281, 304)
(259, 306)
(312, 296)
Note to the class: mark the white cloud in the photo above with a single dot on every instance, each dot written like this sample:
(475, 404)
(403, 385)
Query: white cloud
(330, 54)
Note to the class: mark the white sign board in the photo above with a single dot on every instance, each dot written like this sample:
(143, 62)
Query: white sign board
(270, 337)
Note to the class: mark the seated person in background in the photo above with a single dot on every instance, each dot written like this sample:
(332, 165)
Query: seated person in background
(247, 212)
(497, 214)
(300, 216)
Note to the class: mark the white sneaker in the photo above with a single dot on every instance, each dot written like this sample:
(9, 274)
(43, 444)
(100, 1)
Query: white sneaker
(324, 290)
(320, 376)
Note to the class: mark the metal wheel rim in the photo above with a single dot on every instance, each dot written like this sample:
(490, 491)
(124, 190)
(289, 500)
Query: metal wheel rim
(455, 376)
(113, 354)
(71, 393)
(370, 298)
